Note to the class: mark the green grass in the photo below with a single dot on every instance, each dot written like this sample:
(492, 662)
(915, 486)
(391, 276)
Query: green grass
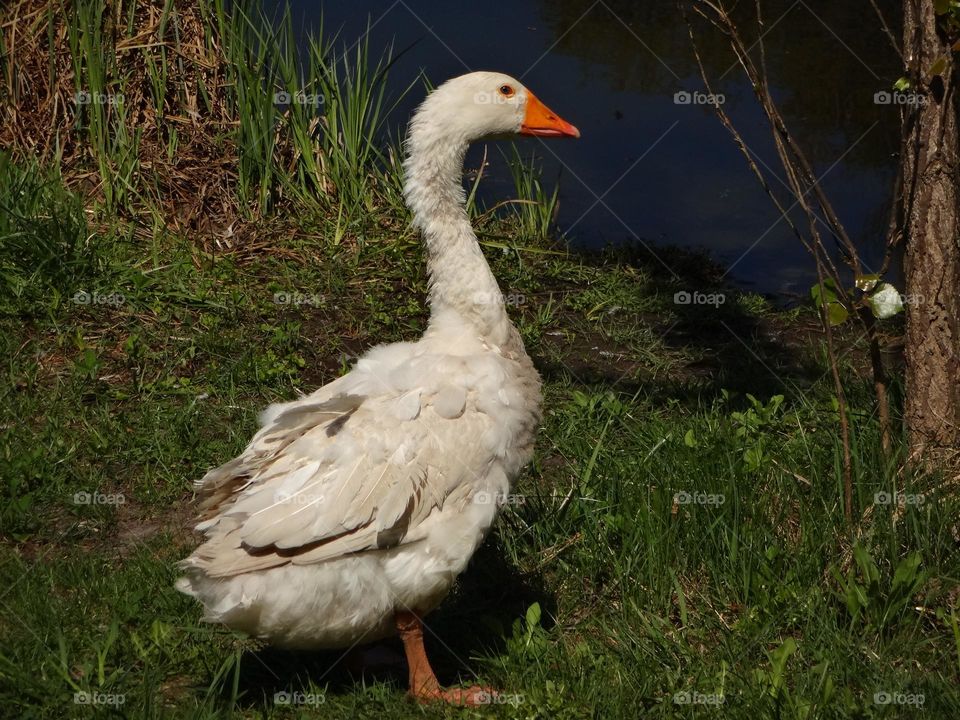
(679, 535)
(599, 595)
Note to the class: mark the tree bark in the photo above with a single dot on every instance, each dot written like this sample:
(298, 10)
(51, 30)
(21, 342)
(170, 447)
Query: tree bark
(931, 221)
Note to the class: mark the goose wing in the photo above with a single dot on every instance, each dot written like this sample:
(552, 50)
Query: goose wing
(324, 478)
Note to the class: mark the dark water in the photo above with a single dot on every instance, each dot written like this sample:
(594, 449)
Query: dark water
(665, 173)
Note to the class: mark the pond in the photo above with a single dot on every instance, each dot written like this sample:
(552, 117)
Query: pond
(650, 169)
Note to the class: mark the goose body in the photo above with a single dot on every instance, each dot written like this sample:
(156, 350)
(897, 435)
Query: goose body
(359, 498)
(351, 512)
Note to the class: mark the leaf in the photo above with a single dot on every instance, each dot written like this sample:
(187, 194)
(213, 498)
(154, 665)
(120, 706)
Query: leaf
(783, 653)
(690, 439)
(778, 662)
(868, 567)
(855, 598)
(906, 570)
(681, 600)
(533, 616)
(941, 7)
(902, 84)
(828, 689)
(836, 313)
(938, 66)
(825, 294)
(867, 282)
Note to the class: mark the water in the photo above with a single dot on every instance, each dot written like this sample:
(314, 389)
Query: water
(665, 173)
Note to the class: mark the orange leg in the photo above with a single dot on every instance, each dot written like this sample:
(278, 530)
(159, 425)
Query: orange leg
(423, 683)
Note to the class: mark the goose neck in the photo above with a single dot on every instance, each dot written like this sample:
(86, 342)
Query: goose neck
(459, 277)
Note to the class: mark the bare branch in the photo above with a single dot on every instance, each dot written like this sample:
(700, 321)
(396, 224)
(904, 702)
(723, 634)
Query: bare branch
(886, 28)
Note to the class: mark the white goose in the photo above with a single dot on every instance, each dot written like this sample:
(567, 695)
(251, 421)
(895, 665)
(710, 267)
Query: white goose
(352, 511)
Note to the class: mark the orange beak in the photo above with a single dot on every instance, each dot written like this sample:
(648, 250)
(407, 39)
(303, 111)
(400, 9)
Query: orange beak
(541, 120)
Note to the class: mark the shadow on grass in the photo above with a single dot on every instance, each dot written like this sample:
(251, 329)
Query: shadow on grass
(733, 347)
(474, 622)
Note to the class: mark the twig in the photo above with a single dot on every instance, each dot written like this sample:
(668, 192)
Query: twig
(804, 184)
(886, 28)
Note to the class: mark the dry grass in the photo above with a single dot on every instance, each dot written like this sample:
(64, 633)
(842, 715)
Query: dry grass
(39, 115)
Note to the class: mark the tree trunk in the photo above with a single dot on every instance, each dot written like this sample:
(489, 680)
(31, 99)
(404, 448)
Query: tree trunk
(931, 187)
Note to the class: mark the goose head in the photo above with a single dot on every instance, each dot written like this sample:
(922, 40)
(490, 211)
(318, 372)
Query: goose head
(483, 105)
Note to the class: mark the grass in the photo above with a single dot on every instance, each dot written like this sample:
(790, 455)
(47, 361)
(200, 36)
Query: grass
(677, 547)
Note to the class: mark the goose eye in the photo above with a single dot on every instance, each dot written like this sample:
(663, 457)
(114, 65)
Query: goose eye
(506, 90)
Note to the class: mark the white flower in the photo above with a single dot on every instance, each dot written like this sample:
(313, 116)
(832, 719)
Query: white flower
(886, 301)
